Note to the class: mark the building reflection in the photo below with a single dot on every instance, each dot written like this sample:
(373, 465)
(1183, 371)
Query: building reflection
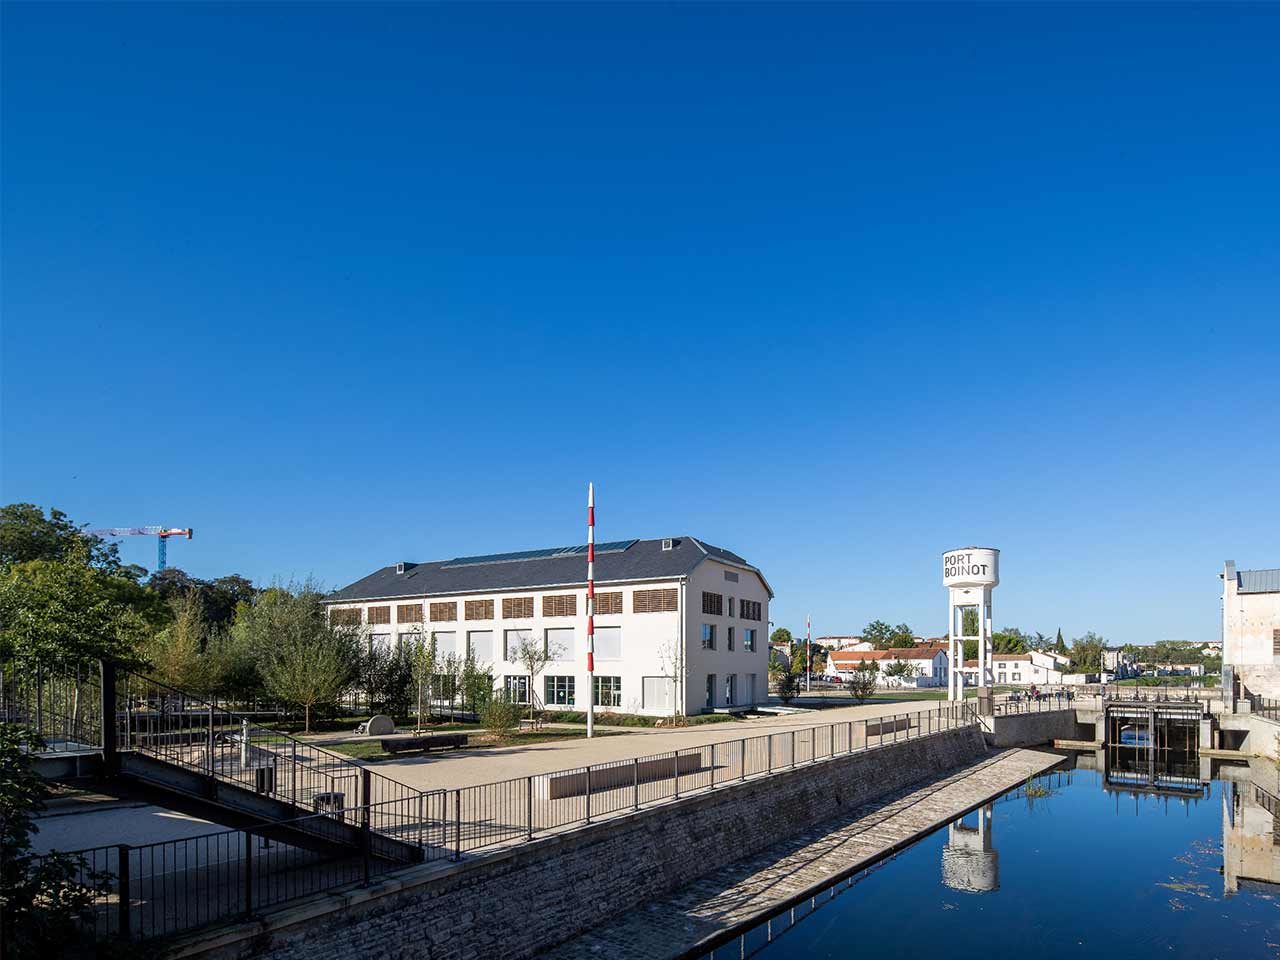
(1250, 828)
(970, 863)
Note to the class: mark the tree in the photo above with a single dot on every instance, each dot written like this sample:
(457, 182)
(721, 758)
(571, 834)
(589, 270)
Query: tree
(861, 683)
(477, 682)
(26, 535)
(1060, 645)
(902, 671)
(176, 653)
(310, 668)
(66, 610)
(44, 897)
(1086, 653)
(901, 636)
(499, 715)
(780, 636)
(281, 610)
(534, 655)
(1010, 640)
(423, 657)
(879, 634)
(785, 677)
(220, 597)
(969, 621)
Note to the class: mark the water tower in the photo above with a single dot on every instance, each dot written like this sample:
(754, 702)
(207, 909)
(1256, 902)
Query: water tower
(969, 574)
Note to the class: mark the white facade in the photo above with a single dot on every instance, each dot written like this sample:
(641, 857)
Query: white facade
(652, 663)
(930, 664)
(1018, 668)
(1251, 627)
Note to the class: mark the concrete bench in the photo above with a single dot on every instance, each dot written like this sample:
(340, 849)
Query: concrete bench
(444, 741)
(614, 776)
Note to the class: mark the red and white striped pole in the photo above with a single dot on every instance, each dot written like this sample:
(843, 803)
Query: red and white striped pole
(591, 608)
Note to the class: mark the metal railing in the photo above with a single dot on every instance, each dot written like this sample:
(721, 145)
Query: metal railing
(168, 724)
(174, 885)
(160, 889)
(59, 701)
(519, 809)
(1263, 707)
(1042, 702)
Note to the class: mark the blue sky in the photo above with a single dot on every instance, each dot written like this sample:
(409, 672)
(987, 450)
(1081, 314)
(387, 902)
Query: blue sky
(836, 287)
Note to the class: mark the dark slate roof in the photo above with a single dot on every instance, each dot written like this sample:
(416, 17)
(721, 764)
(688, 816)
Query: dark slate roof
(566, 566)
(1258, 581)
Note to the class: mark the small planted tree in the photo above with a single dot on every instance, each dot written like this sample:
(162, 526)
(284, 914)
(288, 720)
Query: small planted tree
(785, 677)
(862, 681)
(311, 668)
(423, 659)
(499, 715)
(534, 655)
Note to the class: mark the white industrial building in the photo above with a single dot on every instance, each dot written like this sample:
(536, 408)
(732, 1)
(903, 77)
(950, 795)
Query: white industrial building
(680, 626)
(1251, 628)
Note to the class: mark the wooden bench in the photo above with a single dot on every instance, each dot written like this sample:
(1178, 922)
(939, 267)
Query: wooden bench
(444, 741)
(531, 724)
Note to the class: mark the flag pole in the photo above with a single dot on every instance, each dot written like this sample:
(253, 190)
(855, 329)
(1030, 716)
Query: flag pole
(591, 609)
(808, 652)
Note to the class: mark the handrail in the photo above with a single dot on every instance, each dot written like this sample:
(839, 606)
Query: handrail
(448, 824)
(157, 719)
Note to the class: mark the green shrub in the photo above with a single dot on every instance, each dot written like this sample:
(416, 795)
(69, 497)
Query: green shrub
(499, 715)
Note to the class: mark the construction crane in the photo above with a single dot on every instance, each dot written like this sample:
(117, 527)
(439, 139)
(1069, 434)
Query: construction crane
(163, 533)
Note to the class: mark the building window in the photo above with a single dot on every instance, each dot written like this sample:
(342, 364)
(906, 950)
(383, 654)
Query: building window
(380, 642)
(749, 639)
(1275, 643)
(728, 638)
(731, 606)
(749, 609)
(559, 642)
(478, 609)
(517, 608)
(751, 688)
(730, 689)
(516, 688)
(380, 614)
(655, 601)
(658, 693)
(708, 636)
(1002, 679)
(511, 640)
(446, 612)
(609, 603)
(712, 604)
(409, 613)
(730, 576)
(480, 645)
(560, 605)
(446, 643)
(559, 691)
(608, 643)
(1017, 677)
(608, 692)
(345, 617)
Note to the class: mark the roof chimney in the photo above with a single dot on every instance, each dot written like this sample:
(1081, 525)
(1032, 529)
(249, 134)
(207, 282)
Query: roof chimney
(667, 543)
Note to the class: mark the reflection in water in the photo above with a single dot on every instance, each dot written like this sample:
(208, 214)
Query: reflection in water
(1192, 883)
(969, 862)
(1250, 831)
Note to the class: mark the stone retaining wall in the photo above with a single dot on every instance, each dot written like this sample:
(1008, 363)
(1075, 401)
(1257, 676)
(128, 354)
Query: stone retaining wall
(529, 897)
(1033, 729)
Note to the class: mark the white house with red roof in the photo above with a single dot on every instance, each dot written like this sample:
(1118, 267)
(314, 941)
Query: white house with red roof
(929, 661)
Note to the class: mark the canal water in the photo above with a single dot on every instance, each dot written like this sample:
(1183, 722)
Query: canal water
(1090, 870)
